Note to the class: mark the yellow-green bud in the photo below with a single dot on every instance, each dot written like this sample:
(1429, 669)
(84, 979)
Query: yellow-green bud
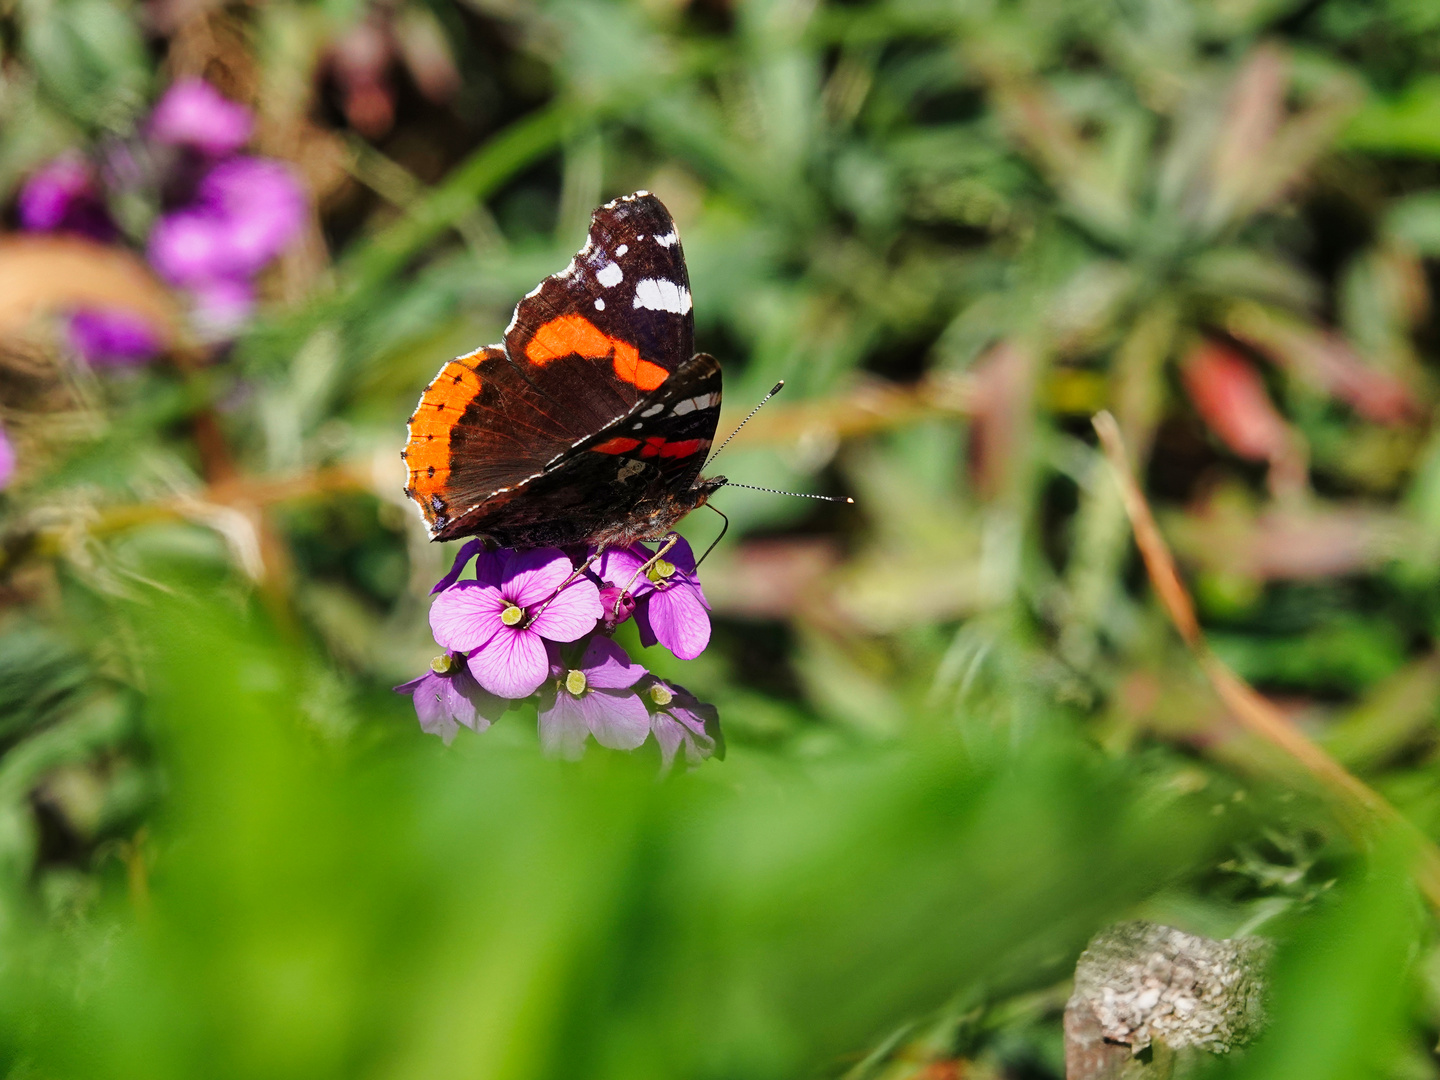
(512, 615)
(444, 664)
(575, 682)
(661, 570)
(660, 695)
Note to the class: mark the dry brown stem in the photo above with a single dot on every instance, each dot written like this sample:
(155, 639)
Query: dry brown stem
(1361, 807)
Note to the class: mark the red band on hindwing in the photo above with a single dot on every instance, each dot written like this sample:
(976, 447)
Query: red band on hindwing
(617, 445)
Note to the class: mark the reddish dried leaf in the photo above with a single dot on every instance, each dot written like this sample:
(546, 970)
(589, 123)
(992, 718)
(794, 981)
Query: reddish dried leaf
(1231, 398)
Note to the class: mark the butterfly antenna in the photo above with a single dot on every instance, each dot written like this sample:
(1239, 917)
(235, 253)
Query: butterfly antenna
(723, 530)
(773, 391)
(797, 494)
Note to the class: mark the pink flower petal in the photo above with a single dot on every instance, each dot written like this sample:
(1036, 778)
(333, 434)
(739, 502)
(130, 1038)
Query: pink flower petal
(679, 621)
(512, 663)
(616, 718)
(466, 616)
(607, 667)
(562, 725)
(572, 614)
(468, 551)
(7, 460)
(533, 576)
(490, 566)
(618, 565)
(682, 555)
(472, 704)
(669, 735)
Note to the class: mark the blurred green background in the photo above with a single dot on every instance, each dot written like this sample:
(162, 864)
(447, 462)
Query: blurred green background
(964, 735)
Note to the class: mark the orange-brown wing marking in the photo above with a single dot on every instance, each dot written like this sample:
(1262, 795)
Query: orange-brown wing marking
(565, 335)
(576, 335)
(640, 374)
(427, 454)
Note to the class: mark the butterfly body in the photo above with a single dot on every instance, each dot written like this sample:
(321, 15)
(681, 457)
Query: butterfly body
(589, 424)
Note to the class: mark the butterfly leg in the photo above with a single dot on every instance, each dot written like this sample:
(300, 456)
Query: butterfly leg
(670, 542)
(567, 582)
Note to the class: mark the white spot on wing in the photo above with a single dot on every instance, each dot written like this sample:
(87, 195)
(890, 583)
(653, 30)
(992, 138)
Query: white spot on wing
(621, 250)
(653, 409)
(689, 405)
(609, 275)
(599, 304)
(658, 294)
(667, 240)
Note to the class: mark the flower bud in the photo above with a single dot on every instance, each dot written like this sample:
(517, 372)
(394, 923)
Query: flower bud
(619, 606)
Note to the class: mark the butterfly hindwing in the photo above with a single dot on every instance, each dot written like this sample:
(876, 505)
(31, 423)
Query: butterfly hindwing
(635, 461)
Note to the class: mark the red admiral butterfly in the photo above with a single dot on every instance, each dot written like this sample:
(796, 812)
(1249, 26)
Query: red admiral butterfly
(590, 424)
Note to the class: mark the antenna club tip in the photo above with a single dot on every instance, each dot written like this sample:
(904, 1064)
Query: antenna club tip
(849, 500)
(778, 387)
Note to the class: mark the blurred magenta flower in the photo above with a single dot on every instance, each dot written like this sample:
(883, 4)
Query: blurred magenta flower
(188, 247)
(63, 196)
(263, 204)
(680, 720)
(594, 696)
(246, 211)
(671, 607)
(447, 696)
(7, 459)
(193, 113)
(504, 620)
(112, 337)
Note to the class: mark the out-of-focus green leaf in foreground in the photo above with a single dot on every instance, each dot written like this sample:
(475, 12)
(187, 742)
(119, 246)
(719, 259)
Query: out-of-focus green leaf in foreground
(318, 910)
(1341, 992)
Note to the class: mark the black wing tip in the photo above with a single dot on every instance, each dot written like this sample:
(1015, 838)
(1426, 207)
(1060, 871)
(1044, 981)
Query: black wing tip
(636, 203)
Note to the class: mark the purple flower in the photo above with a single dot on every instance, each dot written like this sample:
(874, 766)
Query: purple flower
(679, 720)
(263, 202)
(7, 460)
(595, 696)
(113, 336)
(447, 696)
(62, 196)
(193, 113)
(246, 211)
(504, 619)
(672, 610)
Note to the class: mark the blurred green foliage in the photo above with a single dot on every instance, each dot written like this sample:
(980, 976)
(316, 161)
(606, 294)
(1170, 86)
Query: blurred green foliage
(964, 735)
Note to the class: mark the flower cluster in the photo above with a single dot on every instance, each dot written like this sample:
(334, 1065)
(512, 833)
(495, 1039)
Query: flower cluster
(222, 215)
(537, 623)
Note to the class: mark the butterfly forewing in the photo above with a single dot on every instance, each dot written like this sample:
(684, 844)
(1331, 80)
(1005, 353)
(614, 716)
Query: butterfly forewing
(621, 310)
